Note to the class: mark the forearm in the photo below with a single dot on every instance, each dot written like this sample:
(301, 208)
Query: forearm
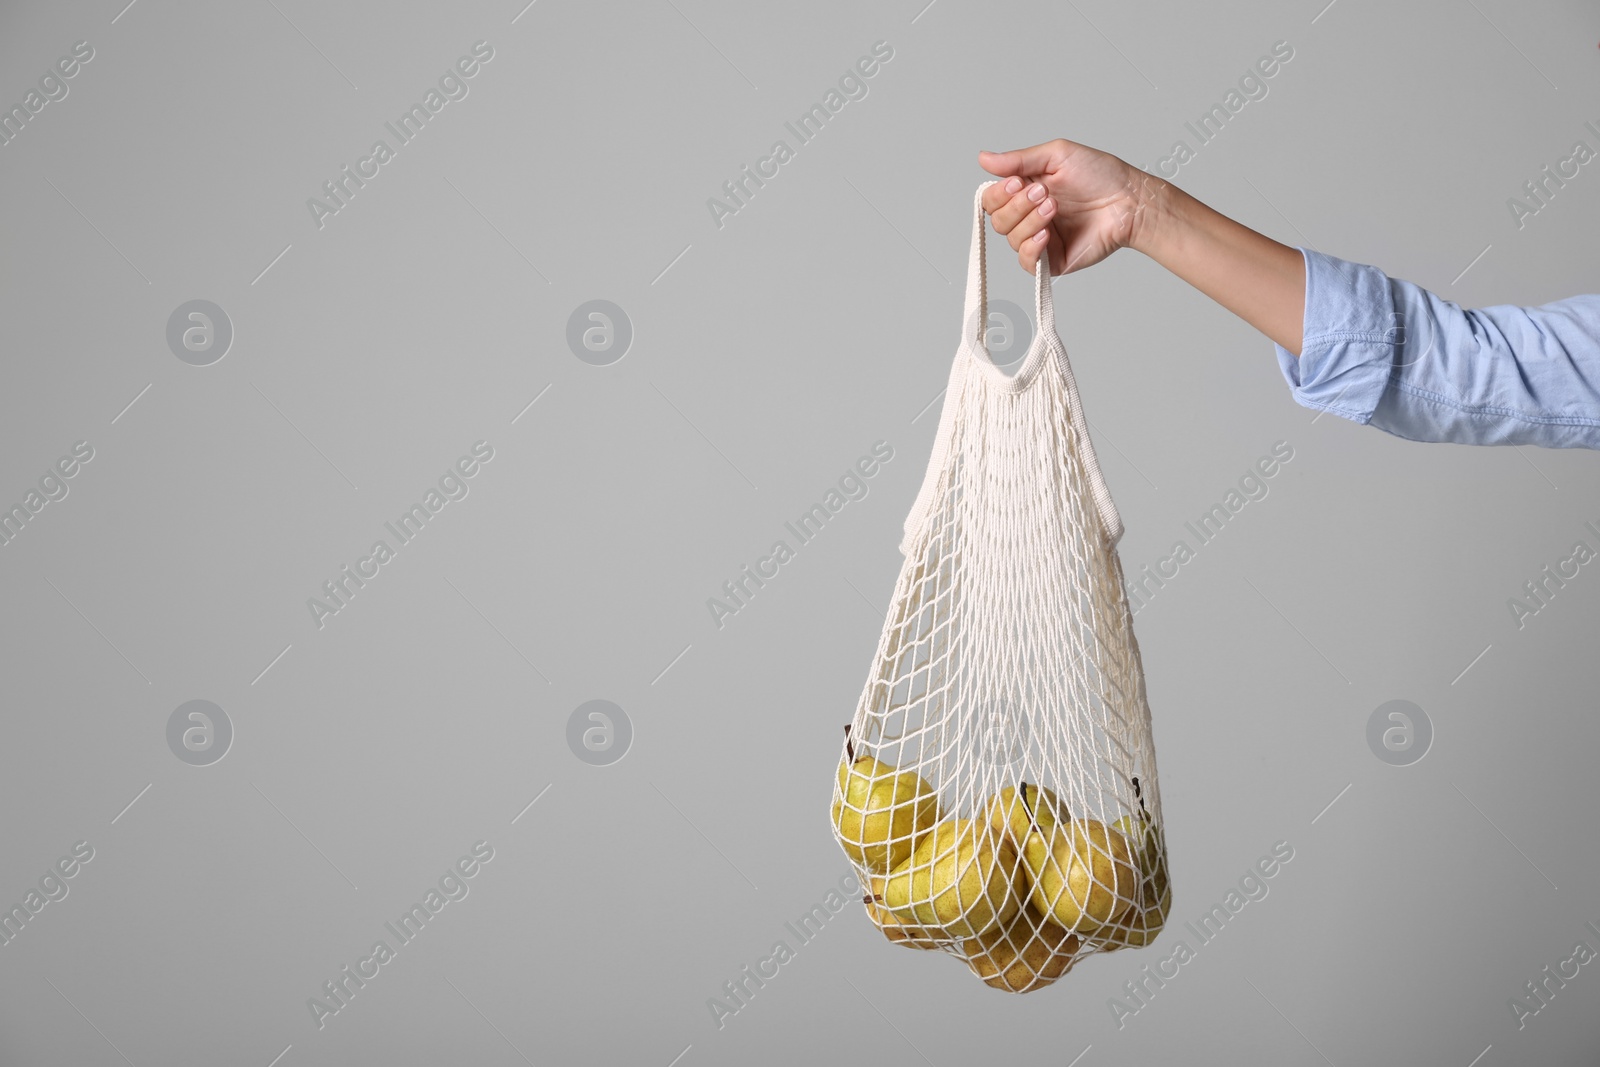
(1253, 276)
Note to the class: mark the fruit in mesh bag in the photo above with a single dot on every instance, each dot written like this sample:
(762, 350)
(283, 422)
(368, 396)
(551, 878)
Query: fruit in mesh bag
(1016, 810)
(879, 812)
(894, 928)
(1028, 954)
(1083, 874)
(1143, 922)
(958, 881)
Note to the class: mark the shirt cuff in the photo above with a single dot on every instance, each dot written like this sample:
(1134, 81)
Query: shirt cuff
(1350, 336)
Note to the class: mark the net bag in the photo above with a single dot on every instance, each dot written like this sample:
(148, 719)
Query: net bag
(997, 791)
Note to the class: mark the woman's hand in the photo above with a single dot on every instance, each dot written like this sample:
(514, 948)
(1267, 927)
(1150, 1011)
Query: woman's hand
(1082, 203)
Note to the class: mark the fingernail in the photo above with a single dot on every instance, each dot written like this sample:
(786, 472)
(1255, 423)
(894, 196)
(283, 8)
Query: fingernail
(1036, 193)
(1045, 208)
(1041, 237)
(1013, 184)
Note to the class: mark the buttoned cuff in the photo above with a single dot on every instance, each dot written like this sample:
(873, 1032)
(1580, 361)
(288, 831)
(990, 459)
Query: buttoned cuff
(1351, 333)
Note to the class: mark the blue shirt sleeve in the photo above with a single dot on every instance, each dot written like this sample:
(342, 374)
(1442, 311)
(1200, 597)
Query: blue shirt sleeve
(1385, 352)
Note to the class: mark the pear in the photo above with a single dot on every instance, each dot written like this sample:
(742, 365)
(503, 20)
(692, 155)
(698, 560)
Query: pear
(878, 813)
(1082, 873)
(1014, 810)
(1029, 954)
(1141, 924)
(894, 928)
(1147, 846)
(957, 881)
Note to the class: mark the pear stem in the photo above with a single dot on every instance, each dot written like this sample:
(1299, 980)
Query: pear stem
(1022, 790)
(1139, 795)
(849, 745)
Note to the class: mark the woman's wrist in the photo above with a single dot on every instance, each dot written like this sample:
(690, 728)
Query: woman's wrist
(1155, 215)
(1259, 279)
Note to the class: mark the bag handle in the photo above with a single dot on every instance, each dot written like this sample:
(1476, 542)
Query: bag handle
(973, 358)
(975, 313)
(1046, 342)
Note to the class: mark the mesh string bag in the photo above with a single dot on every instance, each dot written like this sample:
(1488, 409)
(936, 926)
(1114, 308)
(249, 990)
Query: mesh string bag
(997, 788)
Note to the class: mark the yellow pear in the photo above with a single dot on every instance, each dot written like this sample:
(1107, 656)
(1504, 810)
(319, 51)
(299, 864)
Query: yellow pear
(878, 813)
(1029, 954)
(894, 928)
(1141, 924)
(1015, 810)
(959, 881)
(1147, 846)
(1082, 873)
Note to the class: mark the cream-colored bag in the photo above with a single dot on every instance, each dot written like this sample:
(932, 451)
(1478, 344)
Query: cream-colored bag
(997, 791)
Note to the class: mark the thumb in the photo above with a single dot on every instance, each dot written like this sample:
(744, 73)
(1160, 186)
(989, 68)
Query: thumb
(1039, 159)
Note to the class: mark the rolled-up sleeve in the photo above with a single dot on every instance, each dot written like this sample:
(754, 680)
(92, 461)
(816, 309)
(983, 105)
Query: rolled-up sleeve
(1384, 352)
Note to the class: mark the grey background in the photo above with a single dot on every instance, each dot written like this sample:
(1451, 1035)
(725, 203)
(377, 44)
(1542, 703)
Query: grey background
(767, 356)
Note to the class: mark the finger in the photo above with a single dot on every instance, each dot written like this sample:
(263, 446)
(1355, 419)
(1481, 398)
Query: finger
(1030, 200)
(1039, 218)
(1038, 159)
(999, 193)
(1028, 254)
